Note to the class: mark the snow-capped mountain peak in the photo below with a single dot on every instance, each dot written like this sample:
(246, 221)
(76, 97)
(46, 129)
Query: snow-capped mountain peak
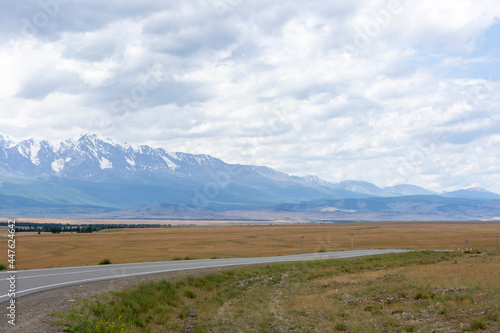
(90, 157)
(318, 181)
(477, 189)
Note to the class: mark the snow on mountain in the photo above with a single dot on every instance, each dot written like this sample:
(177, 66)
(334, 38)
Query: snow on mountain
(271, 173)
(57, 165)
(105, 164)
(473, 193)
(91, 158)
(6, 140)
(318, 181)
(478, 189)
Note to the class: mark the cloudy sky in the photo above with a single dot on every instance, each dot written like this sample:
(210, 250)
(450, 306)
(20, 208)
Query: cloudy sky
(389, 92)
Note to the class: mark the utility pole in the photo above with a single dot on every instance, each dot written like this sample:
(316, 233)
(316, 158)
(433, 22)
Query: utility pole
(352, 242)
(301, 249)
(497, 243)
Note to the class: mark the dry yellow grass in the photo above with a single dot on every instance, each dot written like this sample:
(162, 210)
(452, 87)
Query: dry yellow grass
(452, 294)
(409, 292)
(136, 245)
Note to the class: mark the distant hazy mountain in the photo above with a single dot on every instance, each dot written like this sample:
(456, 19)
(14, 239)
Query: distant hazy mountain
(101, 172)
(473, 193)
(406, 189)
(94, 175)
(361, 187)
(318, 181)
(414, 204)
(406, 208)
(418, 208)
(371, 189)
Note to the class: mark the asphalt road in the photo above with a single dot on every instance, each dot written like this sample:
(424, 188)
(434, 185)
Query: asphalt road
(36, 280)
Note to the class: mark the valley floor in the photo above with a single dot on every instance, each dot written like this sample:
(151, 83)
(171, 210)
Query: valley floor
(229, 241)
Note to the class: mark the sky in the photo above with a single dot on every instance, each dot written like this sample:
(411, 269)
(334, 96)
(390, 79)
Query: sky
(390, 92)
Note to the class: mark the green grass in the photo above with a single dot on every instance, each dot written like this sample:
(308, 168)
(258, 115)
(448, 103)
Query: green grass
(189, 293)
(407, 292)
(476, 325)
(341, 327)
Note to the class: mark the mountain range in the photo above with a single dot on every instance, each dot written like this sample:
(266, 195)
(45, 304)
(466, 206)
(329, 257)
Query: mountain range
(92, 176)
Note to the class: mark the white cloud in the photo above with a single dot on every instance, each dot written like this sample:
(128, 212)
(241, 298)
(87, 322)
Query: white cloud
(280, 84)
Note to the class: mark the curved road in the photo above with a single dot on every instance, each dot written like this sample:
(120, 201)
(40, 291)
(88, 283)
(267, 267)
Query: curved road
(36, 280)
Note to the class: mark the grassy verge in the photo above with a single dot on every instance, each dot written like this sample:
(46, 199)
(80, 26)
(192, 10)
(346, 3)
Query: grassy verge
(409, 292)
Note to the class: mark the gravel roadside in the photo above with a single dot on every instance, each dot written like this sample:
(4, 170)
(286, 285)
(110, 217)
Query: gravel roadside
(32, 311)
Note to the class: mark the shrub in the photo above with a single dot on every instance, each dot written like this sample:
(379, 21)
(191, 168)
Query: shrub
(477, 324)
(3, 267)
(420, 295)
(409, 328)
(189, 294)
(105, 262)
(341, 327)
